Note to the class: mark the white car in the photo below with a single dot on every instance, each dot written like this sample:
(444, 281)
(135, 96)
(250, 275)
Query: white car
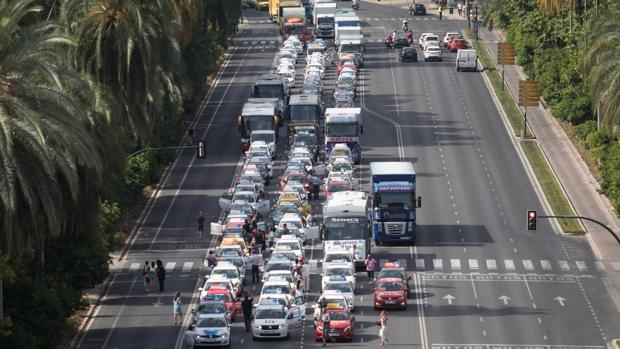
(289, 245)
(288, 74)
(218, 281)
(337, 257)
(421, 40)
(285, 254)
(295, 42)
(226, 271)
(275, 287)
(339, 272)
(211, 330)
(275, 321)
(340, 288)
(260, 148)
(276, 265)
(430, 39)
(432, 53)
(341, 166)
(281, 275)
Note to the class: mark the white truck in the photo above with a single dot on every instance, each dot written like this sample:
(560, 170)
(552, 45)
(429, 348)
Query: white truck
(346, 225)
(324, 19)
(346, 31)
(352, 43)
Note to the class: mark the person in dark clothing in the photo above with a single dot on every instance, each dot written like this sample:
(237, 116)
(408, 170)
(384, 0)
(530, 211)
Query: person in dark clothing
(161, 274)
(247, 230)
(260, 240)
(247, 305)
(201, 224)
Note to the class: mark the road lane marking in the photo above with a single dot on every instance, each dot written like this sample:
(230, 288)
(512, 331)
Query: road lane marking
(134, 266)
(473, 264)
(170, 266)
(187, 267)
(118, 315)
(581, 265)
(545, 264)
(491, 264)
(419, 263)
(564, 265)
(455, 263)
(509, 264)
(437, 263)
(527, 264)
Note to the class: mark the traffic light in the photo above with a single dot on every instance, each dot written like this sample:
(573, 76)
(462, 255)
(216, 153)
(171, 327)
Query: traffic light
(200, 150)
(531, 220)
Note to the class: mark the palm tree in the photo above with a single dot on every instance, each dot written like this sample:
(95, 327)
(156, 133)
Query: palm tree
(601, 64)
(130, 47)
(47, 115)
(555, 7)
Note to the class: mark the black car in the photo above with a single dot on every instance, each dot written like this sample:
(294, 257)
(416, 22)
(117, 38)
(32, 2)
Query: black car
(408, 54)
(417, 10)
(400, 39)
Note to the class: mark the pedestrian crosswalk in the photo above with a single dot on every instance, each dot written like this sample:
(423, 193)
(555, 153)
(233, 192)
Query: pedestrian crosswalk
(261, 44)
(457, 265)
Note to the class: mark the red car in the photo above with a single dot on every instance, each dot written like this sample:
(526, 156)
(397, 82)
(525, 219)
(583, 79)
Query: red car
(343, 64)
(220, 293)
(335, 185)
(458, 44)
(390, 293)
(341, 325)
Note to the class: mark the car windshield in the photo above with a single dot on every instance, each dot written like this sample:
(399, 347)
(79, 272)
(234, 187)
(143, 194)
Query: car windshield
(277, 289)
(227, 273)
(245, 197)
(390, 286)
(338, 315)
(395, 273)
(339, 272)
(285, 277)
(288, 245)
(218, 297)
(225, 284)
(343, 166)
(337, 257)
(344, 228)
(270, 314)
(278, 266)
(265, 137)
(211, 308)
(292, 224)
(339, 287)
(394, 200)
(228, 252)
(211, 322)
(237, 262)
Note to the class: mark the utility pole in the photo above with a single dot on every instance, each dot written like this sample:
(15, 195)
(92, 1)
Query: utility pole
(467, 9)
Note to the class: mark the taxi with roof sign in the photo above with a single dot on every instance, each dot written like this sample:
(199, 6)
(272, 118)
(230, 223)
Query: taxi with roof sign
(392, 269)
(341, 324)
(342, 287)
(338, 272)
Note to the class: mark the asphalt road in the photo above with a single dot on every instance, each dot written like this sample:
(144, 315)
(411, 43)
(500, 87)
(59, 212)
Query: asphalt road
(480, 278)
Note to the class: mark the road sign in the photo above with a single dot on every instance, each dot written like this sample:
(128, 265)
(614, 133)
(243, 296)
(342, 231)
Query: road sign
(505, 53)
(560, 300)
(528, 93)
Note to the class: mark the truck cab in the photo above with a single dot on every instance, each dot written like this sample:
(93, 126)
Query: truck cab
(256, 116)
(352, 44)
(344, 125)
(394, 202)
(304, 110)
(273, 87)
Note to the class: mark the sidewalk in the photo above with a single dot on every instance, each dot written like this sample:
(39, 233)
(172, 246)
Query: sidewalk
(572, 172)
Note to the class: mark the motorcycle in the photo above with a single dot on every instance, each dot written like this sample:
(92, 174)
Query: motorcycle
(405, 27)
(355, 5)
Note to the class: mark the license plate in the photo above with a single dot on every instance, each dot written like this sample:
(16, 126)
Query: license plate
(270, 331)
(390, 302)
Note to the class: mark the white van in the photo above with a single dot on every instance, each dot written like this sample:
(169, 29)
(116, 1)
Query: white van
(466, 60)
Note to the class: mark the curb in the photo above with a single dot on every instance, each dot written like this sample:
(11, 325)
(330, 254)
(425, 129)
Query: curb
(149, 204)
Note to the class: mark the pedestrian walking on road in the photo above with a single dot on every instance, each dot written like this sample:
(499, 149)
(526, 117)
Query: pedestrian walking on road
(152, 275)
(247, 304)
(201, 224)
(285, 230)
(440, 12)
(255, 261)
(383, 318)
(178, 313)
(325, 321)
(371, 266)
(316, 185)
(161, 274)
(145, 274)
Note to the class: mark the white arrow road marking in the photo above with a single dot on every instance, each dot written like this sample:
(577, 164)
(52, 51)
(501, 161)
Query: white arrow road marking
(449, 297)
(187, 267)
(504, 299)
(491, 264)
(419, 263)
(560, 300)
(545, 264)
(170, 266)
(581, 265)
(510, 264)
(527, 264)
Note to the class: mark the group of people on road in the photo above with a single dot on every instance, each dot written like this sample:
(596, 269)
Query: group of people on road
(154, 275)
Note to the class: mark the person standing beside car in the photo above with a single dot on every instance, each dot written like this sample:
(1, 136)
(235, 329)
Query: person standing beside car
(247, 304)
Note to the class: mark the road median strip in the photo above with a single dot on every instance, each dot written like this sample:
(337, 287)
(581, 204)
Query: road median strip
(551, 188)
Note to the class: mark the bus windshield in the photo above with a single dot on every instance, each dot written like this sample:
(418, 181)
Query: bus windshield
(255, 123)
(268, 91)
(346, 228)
(342, 129)
(303, 113)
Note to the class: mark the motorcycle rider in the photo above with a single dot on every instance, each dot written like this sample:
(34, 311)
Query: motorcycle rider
(410, 36)
(355, 4)
(405, 25)
(388, 40)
